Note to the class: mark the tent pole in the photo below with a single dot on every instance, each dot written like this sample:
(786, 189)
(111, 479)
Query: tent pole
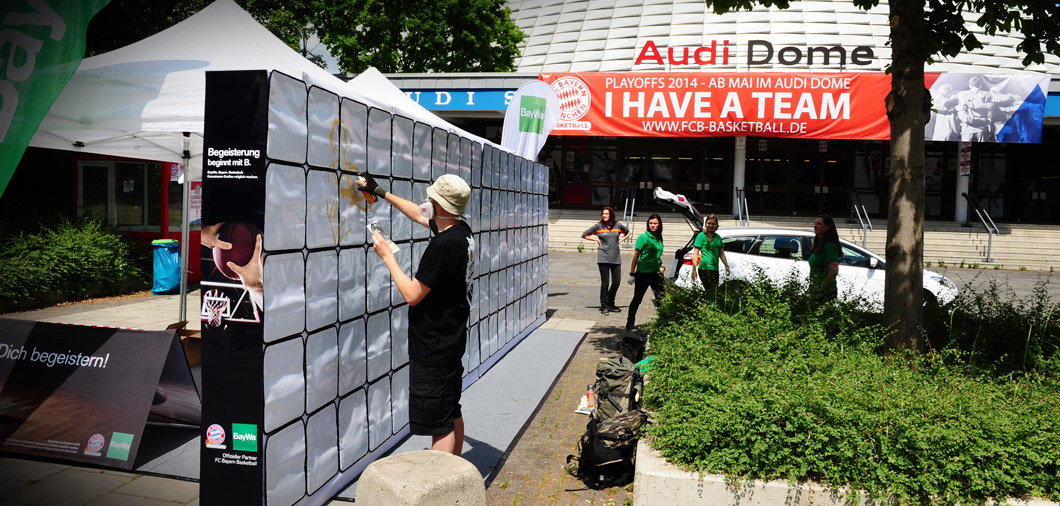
(186, 156)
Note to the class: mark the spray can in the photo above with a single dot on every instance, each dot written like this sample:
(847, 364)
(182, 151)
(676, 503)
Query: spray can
(590, 397)
(362, 183)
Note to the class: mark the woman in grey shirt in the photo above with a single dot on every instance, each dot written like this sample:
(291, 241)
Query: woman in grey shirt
(607, 234)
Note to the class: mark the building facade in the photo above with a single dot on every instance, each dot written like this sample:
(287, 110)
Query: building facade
(778, 173)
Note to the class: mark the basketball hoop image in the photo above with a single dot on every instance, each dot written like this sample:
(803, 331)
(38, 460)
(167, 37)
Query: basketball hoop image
(215, 306)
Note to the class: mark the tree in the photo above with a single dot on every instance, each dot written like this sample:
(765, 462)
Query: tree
(421, 36)
(921, 29)
(291, 22)
(123, 22)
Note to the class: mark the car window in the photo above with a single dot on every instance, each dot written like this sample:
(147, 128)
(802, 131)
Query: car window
(854, 258)
(738, 244)
(781, 246)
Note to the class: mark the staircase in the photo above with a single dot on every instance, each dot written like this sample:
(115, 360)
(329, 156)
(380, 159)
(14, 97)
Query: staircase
(1031, 247)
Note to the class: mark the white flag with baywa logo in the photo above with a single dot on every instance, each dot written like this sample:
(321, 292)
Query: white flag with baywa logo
(531, 116)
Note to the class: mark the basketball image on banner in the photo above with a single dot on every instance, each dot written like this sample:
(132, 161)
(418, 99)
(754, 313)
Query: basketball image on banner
(987, 108)
(305, 358)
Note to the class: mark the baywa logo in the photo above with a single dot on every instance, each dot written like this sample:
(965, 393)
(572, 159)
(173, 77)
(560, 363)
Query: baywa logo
(95, 444)
(245, 437)
(120, 445)
(215, 437)
(574, 98)
(532, 114)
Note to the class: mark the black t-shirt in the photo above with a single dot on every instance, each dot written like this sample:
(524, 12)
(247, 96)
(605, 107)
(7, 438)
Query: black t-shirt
(438, 324)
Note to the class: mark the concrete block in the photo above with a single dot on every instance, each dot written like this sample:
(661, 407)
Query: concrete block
(659, 482)
(421, 478)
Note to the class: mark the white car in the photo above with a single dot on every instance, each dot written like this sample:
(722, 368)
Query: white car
(776, 253)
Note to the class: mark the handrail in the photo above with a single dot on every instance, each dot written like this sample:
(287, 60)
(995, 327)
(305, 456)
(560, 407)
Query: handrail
(742, 216)
(628, 218)
(863, 217)
(984, 218)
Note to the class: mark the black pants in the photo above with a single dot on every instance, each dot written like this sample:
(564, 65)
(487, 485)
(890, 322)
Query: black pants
(641, 282)
(709, 278)
(607, 293)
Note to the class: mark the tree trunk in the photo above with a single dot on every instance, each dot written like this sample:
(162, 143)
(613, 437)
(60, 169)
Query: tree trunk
(908, 108)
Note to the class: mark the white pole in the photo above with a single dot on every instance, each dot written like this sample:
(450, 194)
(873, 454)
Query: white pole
(186, 157)
(960, 205)
(739, 171)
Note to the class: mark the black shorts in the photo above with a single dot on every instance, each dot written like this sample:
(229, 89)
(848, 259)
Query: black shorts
(433, 404)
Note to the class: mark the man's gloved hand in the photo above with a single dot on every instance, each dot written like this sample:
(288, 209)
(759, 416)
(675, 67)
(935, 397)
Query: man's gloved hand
(369, 185)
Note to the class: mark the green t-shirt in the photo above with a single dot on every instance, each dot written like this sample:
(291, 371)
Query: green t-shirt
(650, 253)
(710, 251)
(819, 267)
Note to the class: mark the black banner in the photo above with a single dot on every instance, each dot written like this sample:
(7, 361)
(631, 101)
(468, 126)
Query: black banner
(236, 123)
(84, 393)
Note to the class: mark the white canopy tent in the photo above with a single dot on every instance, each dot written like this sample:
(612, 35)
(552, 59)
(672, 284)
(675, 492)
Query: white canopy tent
(147, 100)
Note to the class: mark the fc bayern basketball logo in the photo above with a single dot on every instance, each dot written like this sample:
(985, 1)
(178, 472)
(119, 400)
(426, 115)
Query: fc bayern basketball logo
(95, 444)
(574, 98)
(215, 435)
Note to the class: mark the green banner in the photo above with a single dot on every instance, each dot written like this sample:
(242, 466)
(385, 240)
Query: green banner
(41, 44)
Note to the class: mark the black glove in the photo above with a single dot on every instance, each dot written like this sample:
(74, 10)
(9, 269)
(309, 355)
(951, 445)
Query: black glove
(371, 186)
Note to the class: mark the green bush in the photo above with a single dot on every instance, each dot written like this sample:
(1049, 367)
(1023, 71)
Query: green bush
(71, 260)
(761, 383)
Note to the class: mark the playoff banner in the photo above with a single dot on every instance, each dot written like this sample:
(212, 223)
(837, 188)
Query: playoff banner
(967, 107)
(671, 104)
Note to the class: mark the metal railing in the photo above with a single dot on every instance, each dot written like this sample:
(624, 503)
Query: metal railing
(631, 202)
(742, 217)
(984, 218)
(862, 215)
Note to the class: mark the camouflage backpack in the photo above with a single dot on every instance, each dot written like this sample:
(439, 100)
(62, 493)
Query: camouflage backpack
(619, 387)
(606, 453)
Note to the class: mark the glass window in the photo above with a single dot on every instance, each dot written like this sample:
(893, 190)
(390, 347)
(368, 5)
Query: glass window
(176, 204)
(738, 244)
(854, 258)
(780, 247)
(126, 195)
(662, 169)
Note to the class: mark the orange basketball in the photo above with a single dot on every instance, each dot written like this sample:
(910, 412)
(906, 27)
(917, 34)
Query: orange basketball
(243, 236)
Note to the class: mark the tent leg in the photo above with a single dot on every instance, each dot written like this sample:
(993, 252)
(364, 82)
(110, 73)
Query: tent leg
(183, 313)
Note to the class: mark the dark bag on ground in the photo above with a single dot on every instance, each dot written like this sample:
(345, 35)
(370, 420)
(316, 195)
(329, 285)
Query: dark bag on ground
(619, 386)
(605, 455)
(632, 348)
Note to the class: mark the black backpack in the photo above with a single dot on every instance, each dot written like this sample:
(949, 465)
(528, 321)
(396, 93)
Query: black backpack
(632, 347)
(619, 387)
(606, 454)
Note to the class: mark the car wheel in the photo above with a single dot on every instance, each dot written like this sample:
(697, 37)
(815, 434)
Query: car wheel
(931, 302)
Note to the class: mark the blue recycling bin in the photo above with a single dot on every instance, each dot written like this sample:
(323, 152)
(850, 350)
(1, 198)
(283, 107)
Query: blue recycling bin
(166, 266)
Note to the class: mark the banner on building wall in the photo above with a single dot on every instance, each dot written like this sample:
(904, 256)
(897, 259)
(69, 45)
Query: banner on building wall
(970, 107)
(45, 42)
(987, 107)
(530, 117)
(654, 104)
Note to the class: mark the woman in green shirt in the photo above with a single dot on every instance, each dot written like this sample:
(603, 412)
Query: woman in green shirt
(647, 268)
(825, 253)
(706, 251)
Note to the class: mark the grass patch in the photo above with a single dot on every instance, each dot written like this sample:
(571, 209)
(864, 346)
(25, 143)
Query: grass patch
(761, 383)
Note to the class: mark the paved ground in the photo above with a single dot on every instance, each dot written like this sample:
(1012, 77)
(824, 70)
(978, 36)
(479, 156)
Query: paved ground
(531, 473)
